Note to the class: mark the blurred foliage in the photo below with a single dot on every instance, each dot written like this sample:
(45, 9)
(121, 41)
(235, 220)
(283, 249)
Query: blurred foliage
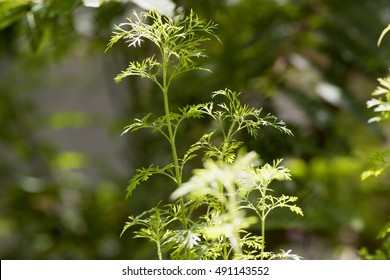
(312, 63)
(379, 163)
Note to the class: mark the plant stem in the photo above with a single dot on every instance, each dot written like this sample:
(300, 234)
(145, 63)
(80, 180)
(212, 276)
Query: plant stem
(159, 253)
(168, 119)
(262, 218)
(171, 135)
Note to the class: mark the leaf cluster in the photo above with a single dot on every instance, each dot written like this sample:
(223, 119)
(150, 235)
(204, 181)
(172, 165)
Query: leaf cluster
(378, 163)
(154, 227)
(380, 101)
(178, 41)
(232, 116)
(241, 116)
(258, 180)
(225, 189)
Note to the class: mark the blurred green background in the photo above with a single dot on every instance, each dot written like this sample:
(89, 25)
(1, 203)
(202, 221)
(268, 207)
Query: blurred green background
(64, 167)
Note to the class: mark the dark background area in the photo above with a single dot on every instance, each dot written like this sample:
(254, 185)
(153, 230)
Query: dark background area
(64, 167)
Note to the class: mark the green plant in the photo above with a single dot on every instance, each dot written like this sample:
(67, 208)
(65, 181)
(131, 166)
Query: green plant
(230, 188)
(380, 104)
(379, 162)
(208, 217)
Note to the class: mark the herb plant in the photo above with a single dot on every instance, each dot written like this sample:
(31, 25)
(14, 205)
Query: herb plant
(209, 214)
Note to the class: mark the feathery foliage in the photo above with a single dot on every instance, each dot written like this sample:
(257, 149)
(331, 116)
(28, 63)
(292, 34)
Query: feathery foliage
(222, 190)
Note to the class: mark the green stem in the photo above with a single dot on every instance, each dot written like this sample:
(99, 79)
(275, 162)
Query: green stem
(172, 139)
(225, 251)
(223, 211)
(157, 231)
(171, 135)
(262, 218)
(169, 124)
(159, 253)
